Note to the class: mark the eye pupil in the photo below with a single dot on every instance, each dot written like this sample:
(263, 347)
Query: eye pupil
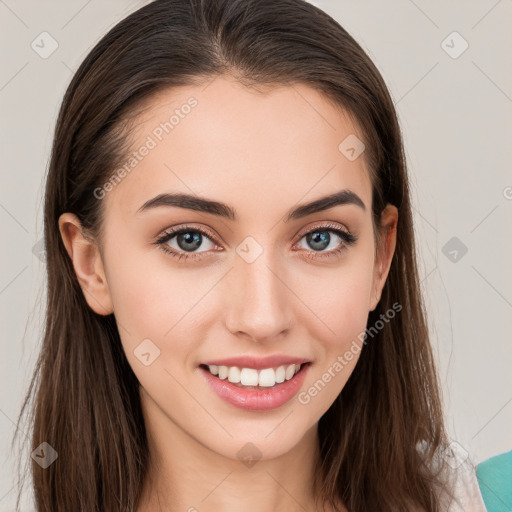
(189, 237)
(319, 237)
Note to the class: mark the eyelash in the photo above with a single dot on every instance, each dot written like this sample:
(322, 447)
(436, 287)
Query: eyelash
(347, 238)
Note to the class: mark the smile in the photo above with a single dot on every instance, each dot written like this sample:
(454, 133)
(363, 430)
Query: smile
(251, 377)
(267, 389)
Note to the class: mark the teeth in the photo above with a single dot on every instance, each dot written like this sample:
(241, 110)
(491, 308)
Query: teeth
(252, 377)
(234, 374)
(290, 372)
(281, 374)
(267, 377)
(223, 372)
(249, 377)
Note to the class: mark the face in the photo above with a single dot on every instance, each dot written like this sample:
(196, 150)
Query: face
(248, 279)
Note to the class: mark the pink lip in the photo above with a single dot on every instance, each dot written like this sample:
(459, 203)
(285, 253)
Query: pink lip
(255, 398)
(258, 363)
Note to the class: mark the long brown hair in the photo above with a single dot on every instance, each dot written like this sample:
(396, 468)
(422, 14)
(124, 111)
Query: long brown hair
(84, 397)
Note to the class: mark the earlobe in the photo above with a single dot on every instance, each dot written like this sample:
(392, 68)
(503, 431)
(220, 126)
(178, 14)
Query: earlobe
(385, 252)
(87, 263)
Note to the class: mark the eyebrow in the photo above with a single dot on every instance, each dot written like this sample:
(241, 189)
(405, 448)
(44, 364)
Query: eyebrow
(191, 202)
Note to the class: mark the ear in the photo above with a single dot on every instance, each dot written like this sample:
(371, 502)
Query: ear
(384, 252)
(87, 263)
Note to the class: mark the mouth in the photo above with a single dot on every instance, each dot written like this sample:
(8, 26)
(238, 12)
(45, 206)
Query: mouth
(254, 389)
(254, 379)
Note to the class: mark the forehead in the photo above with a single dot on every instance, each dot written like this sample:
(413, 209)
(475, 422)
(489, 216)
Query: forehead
(261, 150)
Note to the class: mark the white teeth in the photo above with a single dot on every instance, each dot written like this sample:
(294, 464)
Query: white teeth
(252, 377)
(267, 377)
(223, 372)
(234, 374)
(249, 377)
(290, 372)
(280, 374)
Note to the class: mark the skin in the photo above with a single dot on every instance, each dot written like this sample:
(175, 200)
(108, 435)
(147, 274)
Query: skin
(263, 153)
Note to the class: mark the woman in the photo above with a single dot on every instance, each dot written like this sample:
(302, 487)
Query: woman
(234, 316)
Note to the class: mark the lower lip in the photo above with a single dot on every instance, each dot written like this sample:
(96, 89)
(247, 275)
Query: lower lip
(262, 399)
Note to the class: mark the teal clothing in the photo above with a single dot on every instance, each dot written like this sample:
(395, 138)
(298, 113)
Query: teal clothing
(495, 481)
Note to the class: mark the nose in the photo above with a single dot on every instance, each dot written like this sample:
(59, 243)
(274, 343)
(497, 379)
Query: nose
(258, 301)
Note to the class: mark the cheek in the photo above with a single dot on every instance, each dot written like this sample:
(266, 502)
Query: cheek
(338, 299)
(149, 299)
(157, 300)
(337, 321)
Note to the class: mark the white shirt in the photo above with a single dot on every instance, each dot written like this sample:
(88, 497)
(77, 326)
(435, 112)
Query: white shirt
(461, 480)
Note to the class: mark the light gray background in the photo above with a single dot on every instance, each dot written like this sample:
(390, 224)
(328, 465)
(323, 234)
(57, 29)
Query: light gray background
(456, 117)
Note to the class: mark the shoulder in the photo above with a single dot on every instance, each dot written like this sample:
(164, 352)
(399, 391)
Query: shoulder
(495, 480)
(460, 491)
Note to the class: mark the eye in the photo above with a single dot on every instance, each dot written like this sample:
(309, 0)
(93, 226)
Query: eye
(320, 238)
(188, 239)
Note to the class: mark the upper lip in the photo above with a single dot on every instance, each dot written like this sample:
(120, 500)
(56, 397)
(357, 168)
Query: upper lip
(258, 363)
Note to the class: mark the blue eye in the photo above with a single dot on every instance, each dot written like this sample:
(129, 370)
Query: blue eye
(321, 239)
(189, 239)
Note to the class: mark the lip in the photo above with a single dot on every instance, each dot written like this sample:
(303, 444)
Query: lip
(262, 399)
(258, 363)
